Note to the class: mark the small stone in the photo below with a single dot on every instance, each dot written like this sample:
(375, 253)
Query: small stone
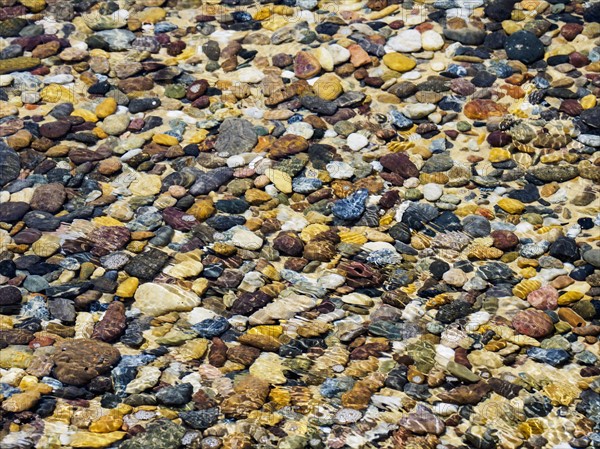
(553, 357)
(357, 141)
(280, 179)
(201, 419)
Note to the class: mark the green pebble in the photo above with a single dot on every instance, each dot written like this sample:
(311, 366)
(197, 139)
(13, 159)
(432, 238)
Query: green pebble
(463, 127)
(413, 194)
(175, 91)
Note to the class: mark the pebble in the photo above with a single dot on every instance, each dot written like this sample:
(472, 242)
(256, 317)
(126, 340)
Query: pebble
(222, 227)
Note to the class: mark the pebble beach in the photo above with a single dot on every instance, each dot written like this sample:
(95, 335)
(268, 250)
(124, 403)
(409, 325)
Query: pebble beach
(350, 224)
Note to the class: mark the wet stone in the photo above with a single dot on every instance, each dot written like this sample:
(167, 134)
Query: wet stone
(231, 229)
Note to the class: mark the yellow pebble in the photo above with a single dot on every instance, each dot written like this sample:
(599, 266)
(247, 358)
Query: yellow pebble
(166, 413)
(106, 108)
(569, 297)
(93, 440)
(99, 133)
(28, 382)
(97, 52)
(399, 62)
(106, 221)
(199, 286)
(55, 93)
(202, 209)
(352, 237)
(594, 67)
(386, 220)
(499, 155)
(88, 116)
(263, 14)
(127, 288)
(280, 179)
(274, 23)
(528, 273)
(123, 409)
(589, 101)
(106, 424)
(328, 87)
(269, 331)
(465, 209)
(560, 50)
(165, 139)
(511, 206)
(199, 136)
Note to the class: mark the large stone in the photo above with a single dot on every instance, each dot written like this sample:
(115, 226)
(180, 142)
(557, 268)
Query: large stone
(18, 64)
(147, 265)
(162, 434)
(533, 323)
(236, 136)
(49, 197)
(524, 46)
(10, 165)
(81, 360)
(158, 299)
(484, 109)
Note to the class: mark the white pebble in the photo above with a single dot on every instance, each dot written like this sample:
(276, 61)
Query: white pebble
(477, 319)
(432, 192)
(62, 78)
(432, 40)
(339, 53)
(413, 311)
(250, 75)
(254, 113)
(235, 161)
(271, 190)
(130, 154)
(444, 409)
(411, 183)
(377, 166)
(405, 41)
(340, 170)
(6, 80)
(331, 281)
(302, 129)
(418, 110)
(438, 66)
(443, 354)
(357, 141)
(412, 75)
